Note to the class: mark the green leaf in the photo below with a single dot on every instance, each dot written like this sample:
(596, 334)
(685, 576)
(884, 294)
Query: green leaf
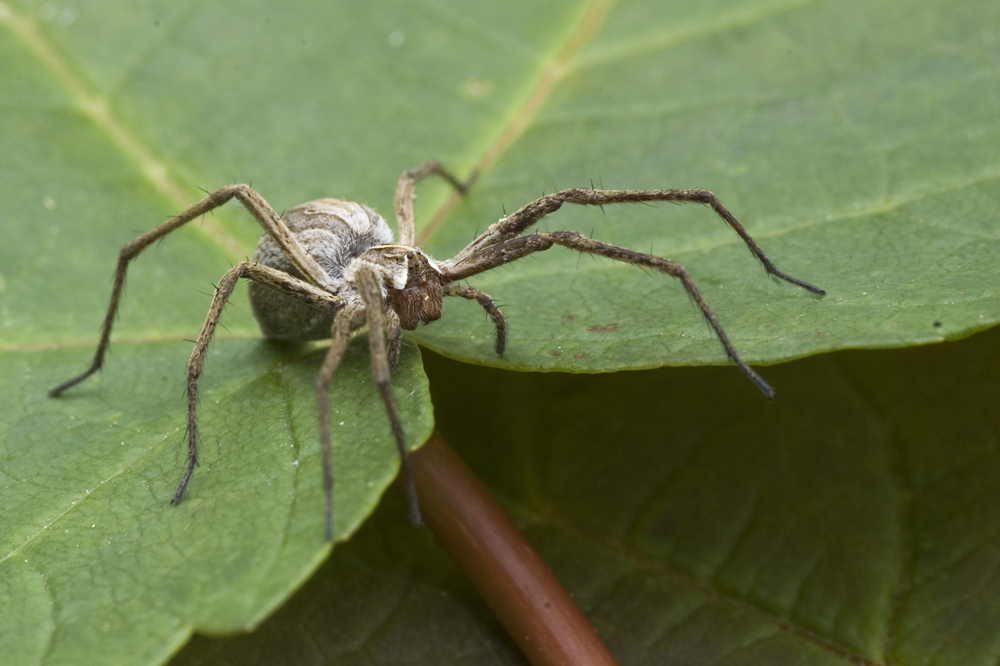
(91, 542)
(853, 520)
(856, 141)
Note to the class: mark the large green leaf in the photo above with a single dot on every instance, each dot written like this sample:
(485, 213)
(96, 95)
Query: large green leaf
(854, 520)
(854, 140)
(96, 560)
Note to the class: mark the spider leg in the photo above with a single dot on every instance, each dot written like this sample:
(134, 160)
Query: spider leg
(484, 300)
(406, 193)
(253, 202)
(529, 214)
(394, 331)
(343, 323)
(260, 273)
(371, 294)
(522, 246)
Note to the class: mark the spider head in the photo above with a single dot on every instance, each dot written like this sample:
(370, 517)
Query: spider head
(419, 299)
(414, 285)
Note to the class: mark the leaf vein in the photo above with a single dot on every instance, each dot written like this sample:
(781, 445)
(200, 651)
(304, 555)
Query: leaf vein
(550, 77)
(96, 108)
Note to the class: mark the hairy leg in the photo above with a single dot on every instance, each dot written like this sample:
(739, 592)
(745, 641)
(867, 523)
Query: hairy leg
(343, 324)
(254, 203)
(529, 215)
(406, 193)
(260, 273)
(516, 248)
(486, 302)
(394, 331)
(371, 294)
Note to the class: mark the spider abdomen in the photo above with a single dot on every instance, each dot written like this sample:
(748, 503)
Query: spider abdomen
(333, 232)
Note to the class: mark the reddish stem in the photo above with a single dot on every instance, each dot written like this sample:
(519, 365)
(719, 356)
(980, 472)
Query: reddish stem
(515, 582)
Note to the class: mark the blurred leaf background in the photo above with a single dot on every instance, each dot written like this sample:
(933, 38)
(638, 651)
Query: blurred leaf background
(853, 518)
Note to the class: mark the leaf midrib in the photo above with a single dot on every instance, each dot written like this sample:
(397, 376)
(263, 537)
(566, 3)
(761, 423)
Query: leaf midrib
(96, 108)
(157, 172)
(551, 74)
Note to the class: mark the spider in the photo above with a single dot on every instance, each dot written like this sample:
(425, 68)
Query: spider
(328, 267)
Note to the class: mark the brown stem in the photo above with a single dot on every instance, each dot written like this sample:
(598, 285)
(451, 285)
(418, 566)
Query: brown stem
(515, 582)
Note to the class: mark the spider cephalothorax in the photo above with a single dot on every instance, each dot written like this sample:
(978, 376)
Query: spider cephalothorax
(328, 267)
(420, 298)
